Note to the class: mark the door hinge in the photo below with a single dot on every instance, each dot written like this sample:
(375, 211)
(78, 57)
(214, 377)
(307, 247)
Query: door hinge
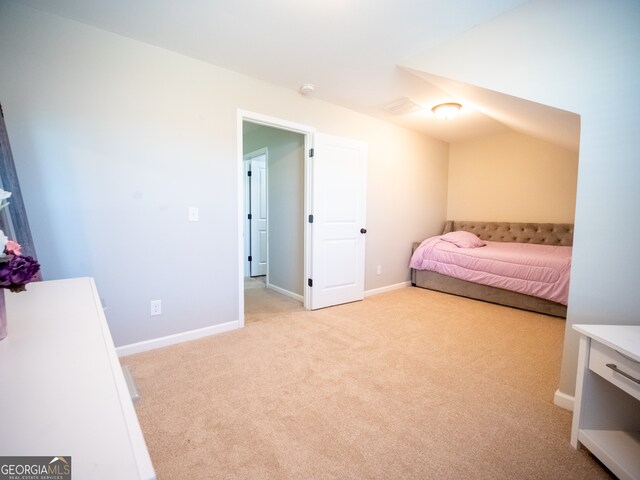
(310, 218)
(248, 173)
(309, 282)
(311, 152)
(250, 258)
(249, 217)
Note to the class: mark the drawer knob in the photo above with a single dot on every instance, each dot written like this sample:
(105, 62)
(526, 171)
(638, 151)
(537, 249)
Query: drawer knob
(615, 368)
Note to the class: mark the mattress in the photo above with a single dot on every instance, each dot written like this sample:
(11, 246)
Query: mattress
(532, 269)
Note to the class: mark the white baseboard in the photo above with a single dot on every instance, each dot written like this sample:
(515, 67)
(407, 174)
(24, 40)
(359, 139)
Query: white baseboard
(389, 288)
(286, 293)
(154, 343)
(563, 400)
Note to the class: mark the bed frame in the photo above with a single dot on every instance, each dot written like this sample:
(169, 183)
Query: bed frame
(541, 233)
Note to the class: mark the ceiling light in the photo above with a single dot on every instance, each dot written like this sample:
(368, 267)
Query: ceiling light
(447, 110)
(307, 89)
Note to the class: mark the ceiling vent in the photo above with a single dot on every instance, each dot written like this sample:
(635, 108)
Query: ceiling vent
(403, 106)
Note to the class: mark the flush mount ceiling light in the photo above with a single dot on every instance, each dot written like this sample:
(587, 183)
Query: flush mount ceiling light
(447, 110)
(307, 89)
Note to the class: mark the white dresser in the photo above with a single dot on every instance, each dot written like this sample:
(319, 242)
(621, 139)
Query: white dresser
(606, 416)
(62, 389)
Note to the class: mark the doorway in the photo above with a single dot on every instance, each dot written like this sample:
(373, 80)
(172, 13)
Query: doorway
(274, 210)
(255, 212)
(329, 218)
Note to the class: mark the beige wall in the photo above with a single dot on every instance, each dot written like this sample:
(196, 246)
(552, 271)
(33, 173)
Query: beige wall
(574, 55)
(511, 177)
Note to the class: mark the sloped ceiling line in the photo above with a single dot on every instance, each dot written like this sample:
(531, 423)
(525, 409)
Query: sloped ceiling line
(352, 54)
(556, 126)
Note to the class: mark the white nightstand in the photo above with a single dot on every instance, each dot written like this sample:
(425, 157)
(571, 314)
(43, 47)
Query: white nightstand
(606, 416)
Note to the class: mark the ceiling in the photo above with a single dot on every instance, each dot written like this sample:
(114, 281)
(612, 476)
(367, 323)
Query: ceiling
(349, 49)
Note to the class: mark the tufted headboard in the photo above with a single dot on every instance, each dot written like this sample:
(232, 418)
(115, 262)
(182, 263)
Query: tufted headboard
(544, 233)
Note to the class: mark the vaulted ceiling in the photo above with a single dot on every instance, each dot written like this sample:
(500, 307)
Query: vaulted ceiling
(351, 50)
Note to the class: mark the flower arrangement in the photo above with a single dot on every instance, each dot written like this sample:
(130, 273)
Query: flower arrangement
(16, 270)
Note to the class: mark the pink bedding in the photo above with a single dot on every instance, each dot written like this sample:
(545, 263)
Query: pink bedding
(538, 270)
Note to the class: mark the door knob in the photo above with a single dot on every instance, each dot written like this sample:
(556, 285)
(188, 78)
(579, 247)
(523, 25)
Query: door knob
(363, 230)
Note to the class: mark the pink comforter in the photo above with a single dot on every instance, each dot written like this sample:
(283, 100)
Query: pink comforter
(538, 270)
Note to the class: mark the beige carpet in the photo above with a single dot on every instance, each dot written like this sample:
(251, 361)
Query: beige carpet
(410, 384)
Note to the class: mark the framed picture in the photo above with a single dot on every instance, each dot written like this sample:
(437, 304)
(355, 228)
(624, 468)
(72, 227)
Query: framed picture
(13, 219)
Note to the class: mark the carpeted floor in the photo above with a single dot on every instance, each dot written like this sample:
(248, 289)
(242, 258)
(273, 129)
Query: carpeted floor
(411, 384)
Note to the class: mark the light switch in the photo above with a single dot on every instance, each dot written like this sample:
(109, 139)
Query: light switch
(194, 214)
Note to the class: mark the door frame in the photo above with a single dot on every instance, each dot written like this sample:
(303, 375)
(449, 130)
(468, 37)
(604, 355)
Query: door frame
(308, 132)
(247, 198)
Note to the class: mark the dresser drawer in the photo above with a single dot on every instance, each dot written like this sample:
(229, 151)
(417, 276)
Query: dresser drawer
(616, 368)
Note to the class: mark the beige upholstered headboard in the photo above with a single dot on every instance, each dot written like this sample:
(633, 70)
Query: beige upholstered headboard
(544, 233)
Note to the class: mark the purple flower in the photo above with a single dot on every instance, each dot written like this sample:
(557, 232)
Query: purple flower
(17, 272)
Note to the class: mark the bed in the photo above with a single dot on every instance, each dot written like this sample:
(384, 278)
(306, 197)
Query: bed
(552, 241)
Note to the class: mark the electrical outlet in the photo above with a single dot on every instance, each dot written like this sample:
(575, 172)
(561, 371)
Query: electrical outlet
(379, 270)
(156, 307)
(194, 214)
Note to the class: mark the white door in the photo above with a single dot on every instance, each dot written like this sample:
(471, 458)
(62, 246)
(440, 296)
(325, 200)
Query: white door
(338, 206)
(258, 215)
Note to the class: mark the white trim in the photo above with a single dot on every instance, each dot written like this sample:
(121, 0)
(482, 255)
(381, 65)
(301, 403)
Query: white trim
(388, 288)
(247, 186)
(245, 239)
(241, 252)
(284, 292)
(272, 122)
(308, 132)
(563, 400)
(256, 153)
(154, 343)
(308, 209)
